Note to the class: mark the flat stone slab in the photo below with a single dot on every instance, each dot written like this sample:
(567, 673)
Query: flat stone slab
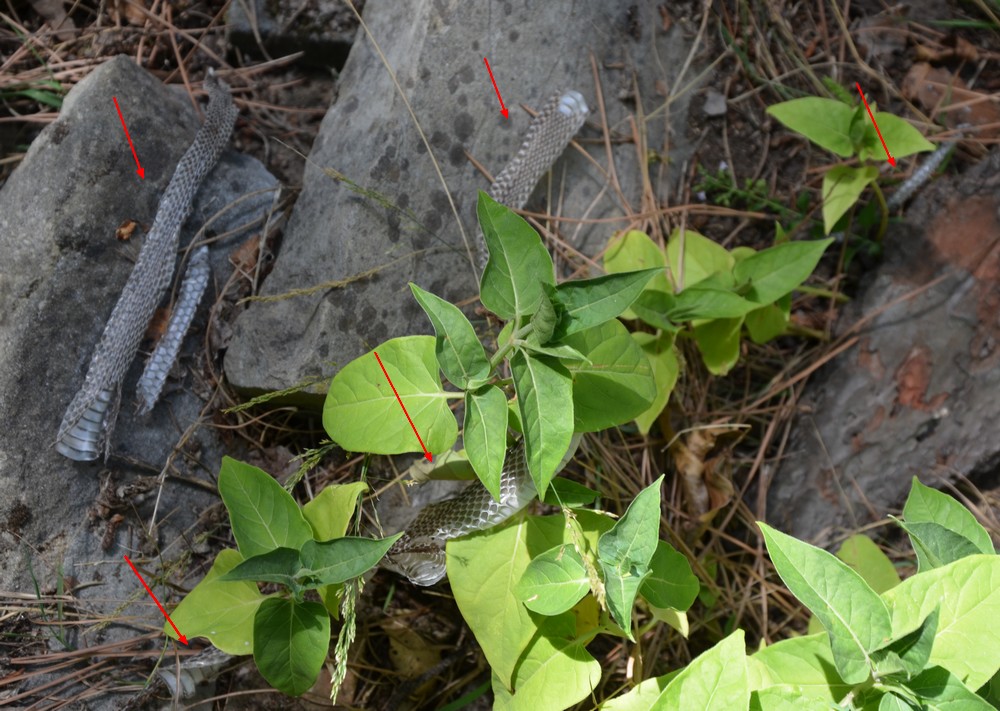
(403, 227)
(917, 394)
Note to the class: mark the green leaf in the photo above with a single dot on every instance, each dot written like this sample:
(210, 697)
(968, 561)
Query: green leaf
(554, 672)
(854, 616)
(263, 515)
(825, 122)
(782, 699)
(703, 301)
(625, 552)
(719, 343)
(544, 397)
(219, 610)
(927, 505)
(662, 355)
(330, 513)
(766, 323)
(777, 271)
(343, 558)
(671, 582)
(842, 186)
(899, 135)
(362, 414)
(290, 643)
(553, 582)
(565, 493)
(908, 654)
(935, 545)
(941, 690)
(459, 352)
(615, 384)
(591, 302)
(968, 592)
(633, 251)
(702, 258)
(544, 320)
(870, 562)
(485, 434)
(483, 570)
(518, 265)
(803, 664)
(278, 566)
(715, 681)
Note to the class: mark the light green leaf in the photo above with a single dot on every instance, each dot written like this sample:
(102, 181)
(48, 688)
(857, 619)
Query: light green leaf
(633, 251)
(591, 302)
(616, 382)
(825, 122)
(278, 566)
(544, 399)
(290, 643)
(719, 343)
(702, 258)
(662, 357)
(900, 137)
(557, 350)
(842, 186)
(330, 513)
(968, 592)
(766, 323)
(669, 616)
(940, 690)
(927, 505)
(643, 696)
(800, 664)
(565, 493)
(870, 562)
(459, 352)
(774, 272)
(671, 582)
(553, 582)
(778, 698)
(705, 300)
(343, 558)
(715, 681)
(852, 613)
(909, 653)
(218, 610)
(263, 515)
(555, 671)
(485, 434)
(362, 414)
(519, 264)
(626, 550)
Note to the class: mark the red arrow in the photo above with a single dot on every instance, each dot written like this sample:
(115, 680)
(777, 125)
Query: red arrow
(181, 637)
(892, 161)
(141, 171)
(503, 109)
(427, 455)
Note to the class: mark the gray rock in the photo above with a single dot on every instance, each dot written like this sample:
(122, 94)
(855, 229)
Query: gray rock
(917, 395)
(64, 271)
(715, 103)
(437, 50)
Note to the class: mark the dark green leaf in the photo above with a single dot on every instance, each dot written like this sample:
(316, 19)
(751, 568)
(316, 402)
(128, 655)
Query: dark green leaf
(290, 641)
(343, 558)
(485, 434)
(825, 122)
(777, 271)
(935, 545)
(671, 582)
(281, 565)
(519, 264)
(591, 302)
(459, 352)
(927, 505)
(908, 654)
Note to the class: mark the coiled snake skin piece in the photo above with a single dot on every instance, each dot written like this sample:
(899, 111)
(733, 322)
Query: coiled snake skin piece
(419, 554)
(90, 418)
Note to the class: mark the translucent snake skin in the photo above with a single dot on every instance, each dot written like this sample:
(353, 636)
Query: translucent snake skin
(420, 553)
(90, 418)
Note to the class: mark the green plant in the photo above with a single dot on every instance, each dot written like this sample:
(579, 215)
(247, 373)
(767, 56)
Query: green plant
(295, 549)
(847, 131)
(928, 643)
(710, 294)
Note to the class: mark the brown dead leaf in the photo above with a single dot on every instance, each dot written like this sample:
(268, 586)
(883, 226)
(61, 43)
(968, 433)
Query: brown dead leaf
(939, 92)
(244, 257)
(706, 479)
(125, 230)
(411, 654)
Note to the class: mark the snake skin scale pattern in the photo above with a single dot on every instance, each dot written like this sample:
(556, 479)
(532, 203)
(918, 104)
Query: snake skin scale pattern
(90, 418)
(159, 364)
(419, 554)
